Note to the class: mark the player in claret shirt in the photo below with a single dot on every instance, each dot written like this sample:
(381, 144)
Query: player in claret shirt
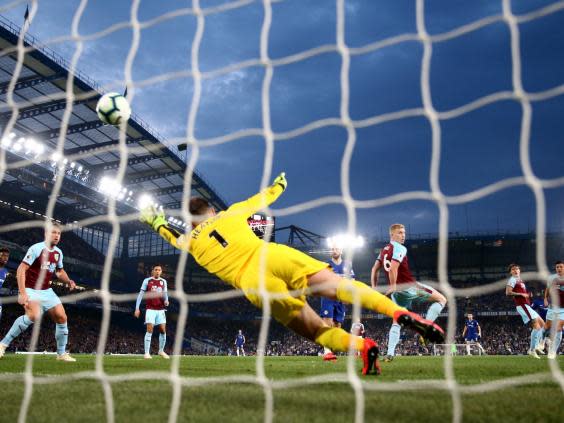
(554, 296)
(516, 288)
(403, 289)
(156, 303)
(41, 262)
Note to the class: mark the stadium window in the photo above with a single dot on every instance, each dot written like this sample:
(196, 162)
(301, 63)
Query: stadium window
(134, 246)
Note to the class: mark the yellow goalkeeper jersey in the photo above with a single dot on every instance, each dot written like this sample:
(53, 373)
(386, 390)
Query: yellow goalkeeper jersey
(224, 243)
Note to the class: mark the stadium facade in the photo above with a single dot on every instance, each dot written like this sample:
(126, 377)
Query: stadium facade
(32, 114)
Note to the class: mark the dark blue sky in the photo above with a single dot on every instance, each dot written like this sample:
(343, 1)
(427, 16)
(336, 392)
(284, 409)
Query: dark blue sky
(477, 148)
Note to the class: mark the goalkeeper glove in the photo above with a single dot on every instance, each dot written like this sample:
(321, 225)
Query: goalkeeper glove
(153, 217)
(281, 180)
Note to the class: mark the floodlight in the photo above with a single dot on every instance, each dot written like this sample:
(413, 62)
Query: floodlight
(145, 200)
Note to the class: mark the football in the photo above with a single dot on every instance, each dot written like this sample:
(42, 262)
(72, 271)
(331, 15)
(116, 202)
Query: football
(113, 109)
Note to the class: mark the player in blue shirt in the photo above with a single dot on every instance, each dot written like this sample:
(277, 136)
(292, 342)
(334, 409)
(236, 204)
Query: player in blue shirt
(333, 311)
(539, 307)
(240, 343)
(4, 257)
(472, 334)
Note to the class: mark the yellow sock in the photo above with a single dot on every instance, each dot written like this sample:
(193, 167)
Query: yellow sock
(337, 339)
(369, 298)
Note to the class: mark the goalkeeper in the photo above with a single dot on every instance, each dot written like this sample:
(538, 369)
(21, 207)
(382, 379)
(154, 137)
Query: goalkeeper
(224, 245)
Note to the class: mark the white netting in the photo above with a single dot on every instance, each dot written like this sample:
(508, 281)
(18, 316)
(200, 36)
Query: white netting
(456, 349)
(436, 195)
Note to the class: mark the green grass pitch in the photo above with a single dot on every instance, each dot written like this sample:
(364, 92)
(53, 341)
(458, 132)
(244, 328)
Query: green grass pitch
(79, 396)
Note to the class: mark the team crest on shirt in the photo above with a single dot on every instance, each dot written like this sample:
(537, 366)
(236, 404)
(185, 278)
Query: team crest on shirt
(56, 256)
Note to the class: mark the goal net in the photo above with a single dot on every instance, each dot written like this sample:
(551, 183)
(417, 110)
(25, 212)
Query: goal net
(351, 97)
(456, 349)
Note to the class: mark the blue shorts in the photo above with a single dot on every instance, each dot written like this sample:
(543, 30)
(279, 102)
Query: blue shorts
(155, 317)
(554, 313)
(418, 293)
(45, 297)
(527, 313)
(332, 309)
(473, 339)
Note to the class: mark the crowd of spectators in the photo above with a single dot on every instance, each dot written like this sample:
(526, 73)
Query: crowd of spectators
(215, 323)
(239, 305)
(71, 243)
(125, 334)
(501, 335)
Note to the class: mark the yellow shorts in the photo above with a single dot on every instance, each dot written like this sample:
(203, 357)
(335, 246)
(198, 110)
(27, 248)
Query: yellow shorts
(285, 270)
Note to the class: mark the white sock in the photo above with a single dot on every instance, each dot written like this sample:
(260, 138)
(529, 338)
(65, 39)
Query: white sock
(434, 311)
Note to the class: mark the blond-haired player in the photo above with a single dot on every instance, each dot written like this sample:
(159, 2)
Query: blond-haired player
(403, 288)
(42, 262)
(224, 245)
(516, 288)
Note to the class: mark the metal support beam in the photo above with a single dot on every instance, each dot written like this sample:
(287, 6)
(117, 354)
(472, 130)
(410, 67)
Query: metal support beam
(169, 190)
(136, 179)
(99, 147)
(71, 129)
(46, 183)
(80, 206)
(61, 212)
(303, 235)
(30, 81)
(174, 205)
(42, 108)
(131, 161)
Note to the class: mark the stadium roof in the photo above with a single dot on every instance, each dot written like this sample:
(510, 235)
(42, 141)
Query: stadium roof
(153, 165)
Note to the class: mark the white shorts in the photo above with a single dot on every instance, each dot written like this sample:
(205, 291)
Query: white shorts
(155, 317)
(527, 313)
(555, 313)
(45, 297)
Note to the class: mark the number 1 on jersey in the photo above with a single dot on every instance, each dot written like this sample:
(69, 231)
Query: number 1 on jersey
(215, 234)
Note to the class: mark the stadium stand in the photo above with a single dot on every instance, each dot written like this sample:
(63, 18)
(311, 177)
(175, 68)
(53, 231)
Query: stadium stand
(502, 335)
(156, 166)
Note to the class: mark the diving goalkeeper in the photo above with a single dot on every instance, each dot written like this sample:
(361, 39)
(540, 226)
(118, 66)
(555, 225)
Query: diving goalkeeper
(224, 245)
